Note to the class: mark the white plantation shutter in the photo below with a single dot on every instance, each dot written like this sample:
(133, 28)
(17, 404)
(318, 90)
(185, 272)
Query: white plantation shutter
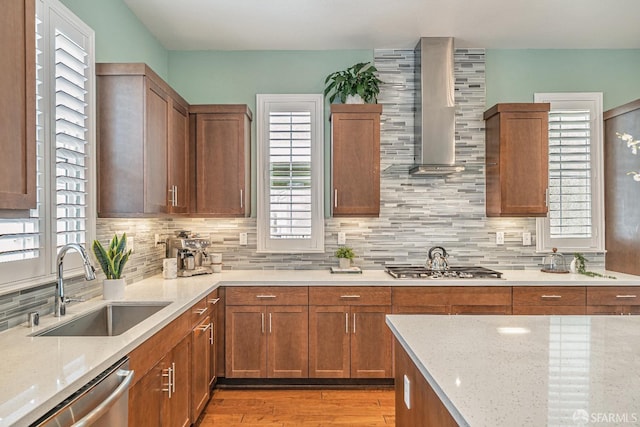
(575, 218)
(290, 173)
(64, 131)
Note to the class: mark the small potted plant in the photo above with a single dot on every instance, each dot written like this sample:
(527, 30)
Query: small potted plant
(356, 85)
(345, 255)
(112, 260)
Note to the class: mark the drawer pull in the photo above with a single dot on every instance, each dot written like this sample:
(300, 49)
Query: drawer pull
(346, 323)
(626, 296)
(265, 296)
(203, 328)
(214, 301)
(349, 296)
(552, 296)
(201, 311)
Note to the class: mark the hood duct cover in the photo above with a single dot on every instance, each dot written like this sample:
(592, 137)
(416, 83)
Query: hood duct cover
(435, 110)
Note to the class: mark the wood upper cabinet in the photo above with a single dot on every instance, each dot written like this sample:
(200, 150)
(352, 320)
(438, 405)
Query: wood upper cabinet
(18, 105)
(221, 140)
(613, 300)
(143, 145)
(517, 159)
(350, 340)
(452, 300)
(355, 142)
(267, 332)
(549, 300)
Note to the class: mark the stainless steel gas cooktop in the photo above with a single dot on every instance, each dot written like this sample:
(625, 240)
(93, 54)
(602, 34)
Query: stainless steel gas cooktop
(421, 272)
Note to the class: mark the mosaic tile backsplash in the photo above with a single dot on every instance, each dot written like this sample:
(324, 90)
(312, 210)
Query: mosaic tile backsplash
(415, 213)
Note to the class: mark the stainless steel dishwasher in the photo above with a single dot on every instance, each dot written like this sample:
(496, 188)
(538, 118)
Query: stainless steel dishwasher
(104, 401)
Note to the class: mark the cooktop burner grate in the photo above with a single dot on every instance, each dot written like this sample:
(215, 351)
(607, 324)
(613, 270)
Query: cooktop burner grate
(455, 272)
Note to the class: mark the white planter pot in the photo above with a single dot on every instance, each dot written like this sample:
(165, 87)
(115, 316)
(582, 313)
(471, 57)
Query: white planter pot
(354, 99)
(113, 289)
(344, 262)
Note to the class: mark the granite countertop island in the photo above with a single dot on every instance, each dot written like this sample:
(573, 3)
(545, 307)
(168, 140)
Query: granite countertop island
(39, 372)
(505, 371)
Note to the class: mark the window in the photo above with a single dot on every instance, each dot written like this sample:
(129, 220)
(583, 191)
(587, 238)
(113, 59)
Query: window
(575, 221)
(290, 173)
(65, 210)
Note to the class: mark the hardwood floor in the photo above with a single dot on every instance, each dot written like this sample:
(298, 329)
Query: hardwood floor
(306, 408)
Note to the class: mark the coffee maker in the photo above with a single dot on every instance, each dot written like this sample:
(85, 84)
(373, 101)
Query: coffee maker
(190, 252)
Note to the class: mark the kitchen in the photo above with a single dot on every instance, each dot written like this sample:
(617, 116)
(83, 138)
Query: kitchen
(415, 213)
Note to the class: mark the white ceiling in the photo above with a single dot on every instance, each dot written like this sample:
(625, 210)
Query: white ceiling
(368, 24)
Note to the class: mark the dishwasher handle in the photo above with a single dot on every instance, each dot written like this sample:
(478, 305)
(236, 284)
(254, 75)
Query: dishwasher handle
(106, 404)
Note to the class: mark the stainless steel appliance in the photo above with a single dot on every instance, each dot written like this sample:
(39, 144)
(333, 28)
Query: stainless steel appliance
(422, 272)
(103, 402)
(190, 252)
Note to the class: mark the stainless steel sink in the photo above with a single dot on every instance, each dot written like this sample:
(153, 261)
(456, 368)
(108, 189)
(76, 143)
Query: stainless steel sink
(110, 320)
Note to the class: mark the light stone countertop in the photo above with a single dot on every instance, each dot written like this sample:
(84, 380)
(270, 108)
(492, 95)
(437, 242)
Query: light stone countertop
(505, 371)
(39, 372)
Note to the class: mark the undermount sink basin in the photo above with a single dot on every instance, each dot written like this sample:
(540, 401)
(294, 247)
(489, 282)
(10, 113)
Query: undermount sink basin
(110, 320)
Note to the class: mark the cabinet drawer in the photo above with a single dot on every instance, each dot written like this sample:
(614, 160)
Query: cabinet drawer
(199, 311)
(421, 296)
(613, 295)
(549, 296)
(267, 295)
(349, 295)
(452, 295)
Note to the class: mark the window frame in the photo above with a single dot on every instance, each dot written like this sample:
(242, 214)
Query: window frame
(314, 103)
(23, 274)
(593, 102)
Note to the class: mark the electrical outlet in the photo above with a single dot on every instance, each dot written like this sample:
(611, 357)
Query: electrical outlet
(407, 392)
(500, 238)
(526, 239)
(342, 238)
(243, 239)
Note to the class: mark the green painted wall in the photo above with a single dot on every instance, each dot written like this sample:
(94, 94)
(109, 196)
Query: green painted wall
(515, 75)
(120, 36)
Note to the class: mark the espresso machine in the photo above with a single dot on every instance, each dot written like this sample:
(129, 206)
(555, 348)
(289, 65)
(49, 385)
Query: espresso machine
(191, 254)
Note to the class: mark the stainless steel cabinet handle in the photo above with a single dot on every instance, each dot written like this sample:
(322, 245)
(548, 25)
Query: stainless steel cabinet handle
(214, 301)
(211, 333)
(169, 376)
(346, 323)
(170, 190)
(241, 199)
(173, 374)
(201, 311)
(626, 296)
(175, 195)
(349, 296)
(262, 315)
(107, 403)
(546, 197)
(269, 322)
(265, 296)
(203, 328)
(335, 198)
(552, 296)
(354, 323)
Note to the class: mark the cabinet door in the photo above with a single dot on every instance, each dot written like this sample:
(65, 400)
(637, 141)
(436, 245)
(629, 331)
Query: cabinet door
(329, 338)
(220, 141)
(370, 342)
(178, 407)
(155, 151)
(200, 366)
(146, 398)
(288, 342)
(213, 300)
(356, 163)
(178, 152)
(245, 342)
(17, 109)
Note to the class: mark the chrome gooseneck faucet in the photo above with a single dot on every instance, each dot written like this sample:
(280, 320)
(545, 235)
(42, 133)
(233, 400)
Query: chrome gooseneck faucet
(60, 308)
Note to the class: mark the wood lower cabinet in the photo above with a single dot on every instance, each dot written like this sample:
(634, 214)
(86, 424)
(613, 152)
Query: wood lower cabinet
(517, 159)
(213, 299)
(613, 300)
(349, 340)
(355, 154)
(177, 408)
(142, 143)
(549, 300)
(18, 106)
(452, 300)
(200, 357)
(221, 146)
(266, 332)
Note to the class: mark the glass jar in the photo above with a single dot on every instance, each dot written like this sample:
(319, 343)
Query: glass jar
(554, 263)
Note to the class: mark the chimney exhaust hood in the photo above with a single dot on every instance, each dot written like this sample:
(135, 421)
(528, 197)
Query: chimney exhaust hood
(435, 111)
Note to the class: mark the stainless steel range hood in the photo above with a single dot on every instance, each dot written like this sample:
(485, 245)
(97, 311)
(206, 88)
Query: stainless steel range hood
(435, 110)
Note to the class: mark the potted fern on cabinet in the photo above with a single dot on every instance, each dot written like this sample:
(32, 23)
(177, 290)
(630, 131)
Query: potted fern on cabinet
(112, 260)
